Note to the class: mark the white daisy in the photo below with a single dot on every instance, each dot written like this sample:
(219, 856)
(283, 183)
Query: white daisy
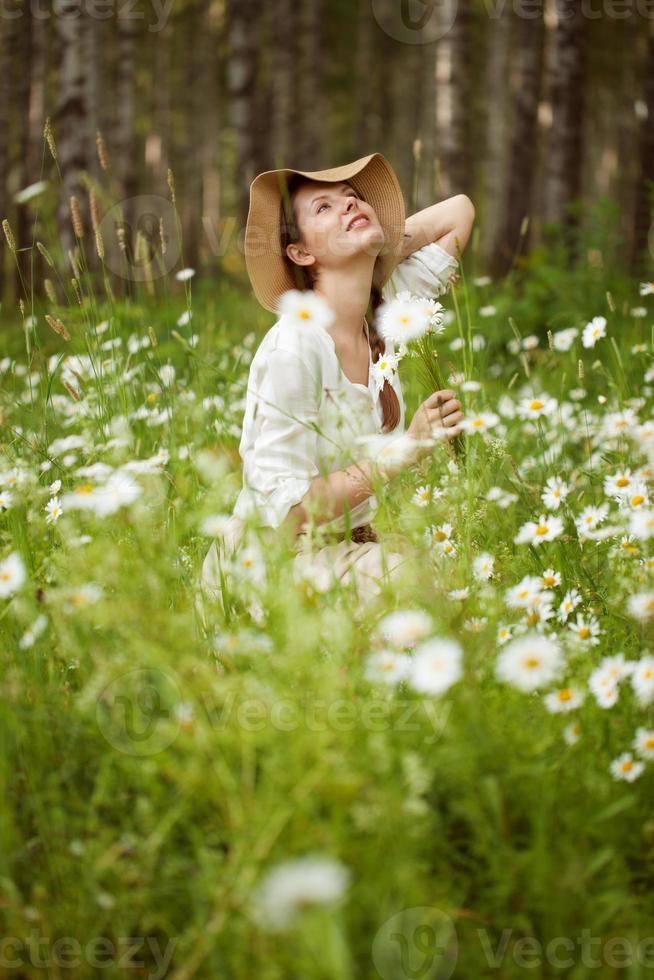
(384, 368)
(642, 679)
(594, 331)
(625, 768)
(536, 407)
(544, 529)
(529, 662)
(644, 743)
(404, 627)
(586, 631)
(551, 578)
(526, 593)
(435, 666)
(569, 602)
(12, 575)
(402, 320)
(563, 340)
(563, 700)
(556, 490)
(572, 733)
(305, 308)
(53, 510)
(293, 885)
(615, 484)
(184, 318)
(184, 274)
(590, 518)
(387, 666)
(641, 605)
(647, 288)
(482, 567)
(422, 496)
(215, 524)
(481, 422)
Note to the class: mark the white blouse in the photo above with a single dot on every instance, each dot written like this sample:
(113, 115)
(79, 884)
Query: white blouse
(303, 415)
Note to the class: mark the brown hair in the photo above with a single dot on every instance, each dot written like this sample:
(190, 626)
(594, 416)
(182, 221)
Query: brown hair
(290, 233)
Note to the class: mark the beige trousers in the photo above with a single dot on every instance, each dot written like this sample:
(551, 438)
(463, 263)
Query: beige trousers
(366, 566)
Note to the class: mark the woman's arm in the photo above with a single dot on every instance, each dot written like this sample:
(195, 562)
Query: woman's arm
(328, 494)
(442, 223)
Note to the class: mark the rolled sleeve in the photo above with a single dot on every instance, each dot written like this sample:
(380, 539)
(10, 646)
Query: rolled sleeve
(426, 272)
(283, 459)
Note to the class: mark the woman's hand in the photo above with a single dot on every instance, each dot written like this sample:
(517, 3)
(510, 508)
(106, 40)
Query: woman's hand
(438, 417)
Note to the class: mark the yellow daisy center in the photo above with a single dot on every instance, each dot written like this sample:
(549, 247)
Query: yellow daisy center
(565, 694)
(532, 662)
(304, 314)
(536, 405)
(542, 529)
(84, 488)
(584, 632)
(627, 765)
(622, 481)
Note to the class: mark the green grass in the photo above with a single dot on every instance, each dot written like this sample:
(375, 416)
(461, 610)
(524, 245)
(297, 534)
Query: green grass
(155, 769)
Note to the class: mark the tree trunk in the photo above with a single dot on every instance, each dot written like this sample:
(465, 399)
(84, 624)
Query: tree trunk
(244, 22)
(25, 175)
(284, 118)
(125, 122)
(566, 71)
(454, 103)
(6, 76)
(526, 78)
(644, 219)
(313, 103)
(71, 120)
(494, 201)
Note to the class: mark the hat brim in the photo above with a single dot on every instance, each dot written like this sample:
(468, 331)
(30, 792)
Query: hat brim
(371, 176)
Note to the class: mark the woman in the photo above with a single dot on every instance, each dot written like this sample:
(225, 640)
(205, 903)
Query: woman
(313, 393)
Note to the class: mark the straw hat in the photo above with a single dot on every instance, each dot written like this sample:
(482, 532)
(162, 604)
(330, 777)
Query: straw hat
(372, 177)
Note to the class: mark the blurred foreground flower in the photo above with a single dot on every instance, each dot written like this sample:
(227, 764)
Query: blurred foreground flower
(12, 575)
(294, 885)
(305, 308)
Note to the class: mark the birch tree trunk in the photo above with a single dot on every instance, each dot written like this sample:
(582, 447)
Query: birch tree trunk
(71, 120)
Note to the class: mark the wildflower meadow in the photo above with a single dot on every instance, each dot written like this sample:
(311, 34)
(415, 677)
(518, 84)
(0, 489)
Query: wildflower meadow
(453, 780)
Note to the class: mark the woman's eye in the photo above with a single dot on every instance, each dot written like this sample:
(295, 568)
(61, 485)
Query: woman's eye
(323, 205)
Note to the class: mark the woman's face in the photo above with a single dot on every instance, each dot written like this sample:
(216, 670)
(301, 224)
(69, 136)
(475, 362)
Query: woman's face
(335, 224)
